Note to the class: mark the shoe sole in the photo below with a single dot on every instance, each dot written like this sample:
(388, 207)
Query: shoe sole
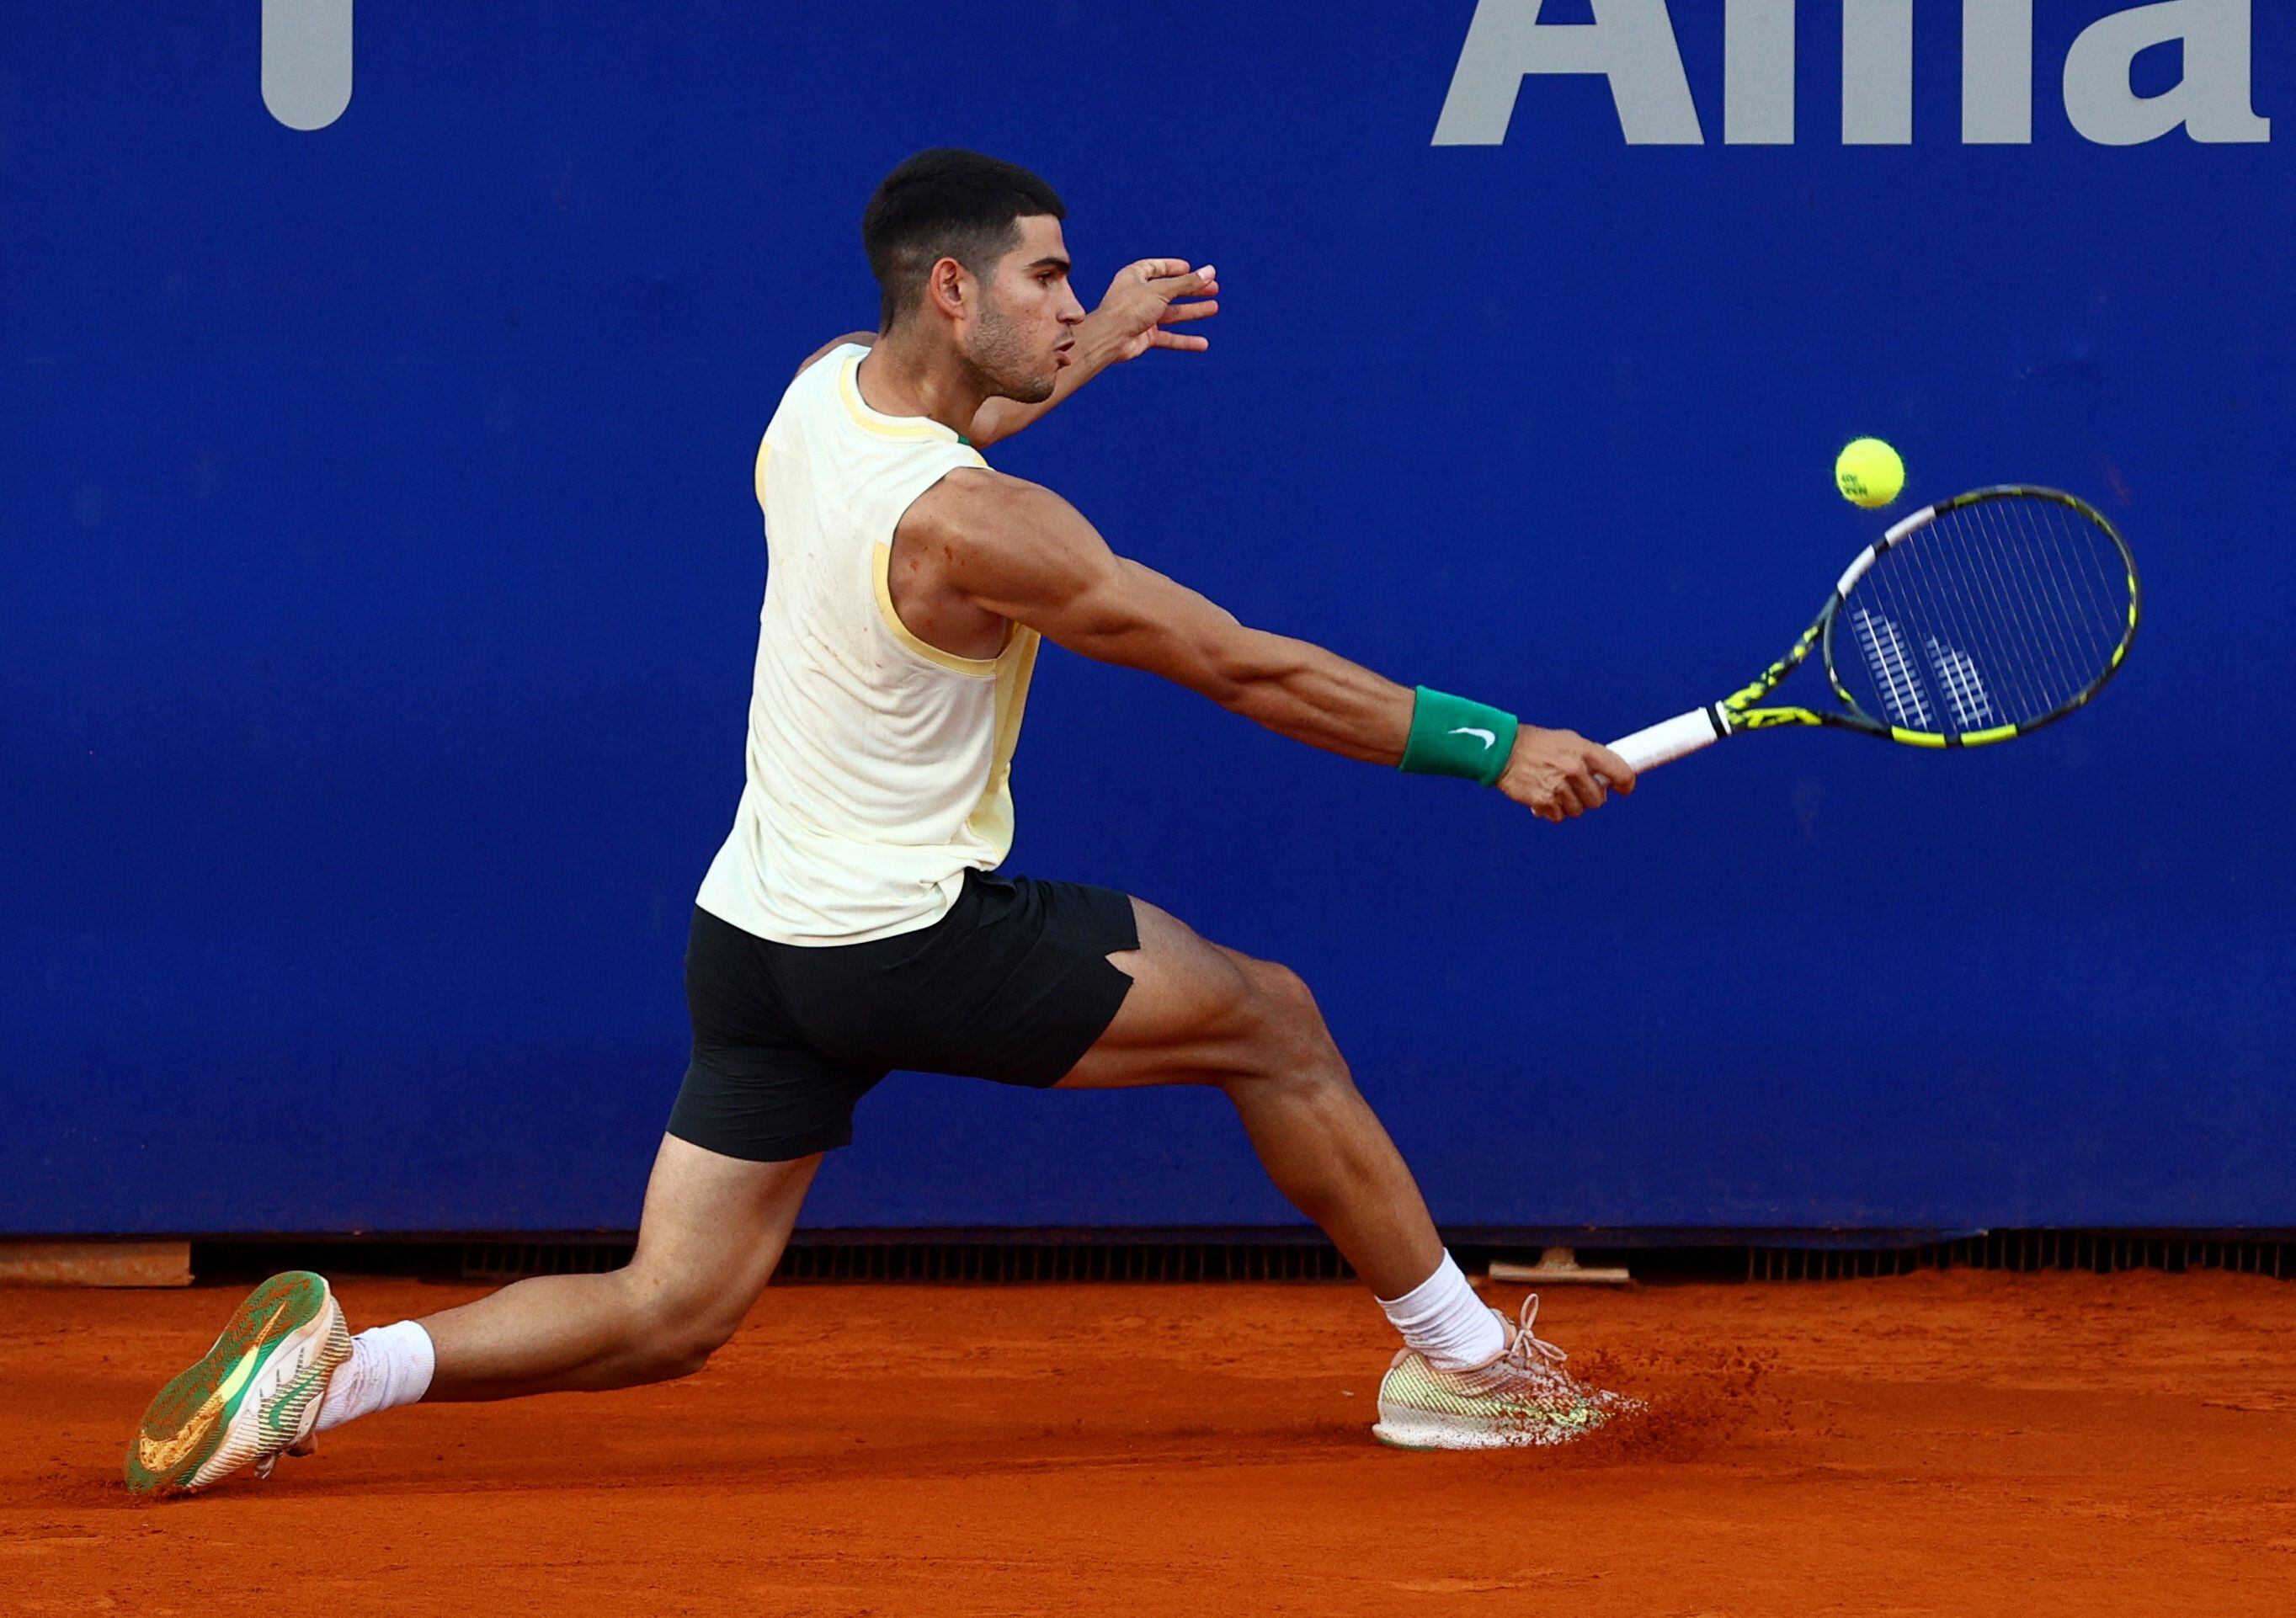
(248, 1397)
(1435, 1433)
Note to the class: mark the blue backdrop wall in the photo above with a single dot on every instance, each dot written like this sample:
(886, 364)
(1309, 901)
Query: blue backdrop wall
(381, 576)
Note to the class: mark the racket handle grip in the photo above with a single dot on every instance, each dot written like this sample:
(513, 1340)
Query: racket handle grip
(1670, 739)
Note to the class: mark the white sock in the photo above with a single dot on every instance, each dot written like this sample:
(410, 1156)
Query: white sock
(389, 1366)
(1444, 1319)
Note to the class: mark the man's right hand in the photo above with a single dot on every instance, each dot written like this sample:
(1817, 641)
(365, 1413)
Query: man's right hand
(1559, 775)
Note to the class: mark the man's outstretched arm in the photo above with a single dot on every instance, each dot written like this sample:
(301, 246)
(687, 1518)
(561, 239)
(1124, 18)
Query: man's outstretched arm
(1019, 551)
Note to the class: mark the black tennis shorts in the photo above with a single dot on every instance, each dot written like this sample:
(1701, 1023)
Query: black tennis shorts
(1013, 985)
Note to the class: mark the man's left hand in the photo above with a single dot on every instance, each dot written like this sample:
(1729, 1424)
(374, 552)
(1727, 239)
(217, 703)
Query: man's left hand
(1144, 299)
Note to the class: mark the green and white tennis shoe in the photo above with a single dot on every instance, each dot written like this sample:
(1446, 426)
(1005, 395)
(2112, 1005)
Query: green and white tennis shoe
(1521, 1395)
(250, 1398)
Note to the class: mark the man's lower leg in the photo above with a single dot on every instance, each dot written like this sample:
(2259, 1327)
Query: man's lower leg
(713, 1230)
(558, 1334)
(1326, 1151)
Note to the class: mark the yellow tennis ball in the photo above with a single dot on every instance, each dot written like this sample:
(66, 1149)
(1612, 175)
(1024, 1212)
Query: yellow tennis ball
(1869, 473)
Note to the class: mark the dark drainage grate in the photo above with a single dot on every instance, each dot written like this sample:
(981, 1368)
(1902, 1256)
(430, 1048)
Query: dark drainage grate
(999, 1262)
(1024, 1255)
(516, 1261)
(2099, 1252)
(1009, 1262)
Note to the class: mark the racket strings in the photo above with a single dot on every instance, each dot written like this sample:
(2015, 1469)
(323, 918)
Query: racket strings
(1997, 613)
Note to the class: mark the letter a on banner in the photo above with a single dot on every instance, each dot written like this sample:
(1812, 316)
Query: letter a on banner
(2213, 101)
(1631, 42)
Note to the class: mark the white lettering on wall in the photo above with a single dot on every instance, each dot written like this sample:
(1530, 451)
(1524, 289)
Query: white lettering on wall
(1877, 72)
(2212, 102)
(1996, 73)
(1757, 73)
(1632, 45)
(307, 61)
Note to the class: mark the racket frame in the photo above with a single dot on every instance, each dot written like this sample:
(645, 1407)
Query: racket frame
(1685, 733)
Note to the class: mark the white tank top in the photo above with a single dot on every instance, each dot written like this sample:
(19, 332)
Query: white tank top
(879, 767)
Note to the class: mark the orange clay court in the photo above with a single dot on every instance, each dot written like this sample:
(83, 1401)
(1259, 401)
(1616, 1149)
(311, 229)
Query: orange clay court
(1958, 1443)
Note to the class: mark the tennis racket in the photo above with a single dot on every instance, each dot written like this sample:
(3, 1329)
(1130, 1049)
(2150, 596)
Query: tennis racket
(1975, 620)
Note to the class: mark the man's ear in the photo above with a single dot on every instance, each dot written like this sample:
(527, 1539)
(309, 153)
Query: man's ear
(948, 286)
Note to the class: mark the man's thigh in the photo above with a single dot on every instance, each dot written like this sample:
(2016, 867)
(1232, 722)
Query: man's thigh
(1197, 1013)
(714, 1226)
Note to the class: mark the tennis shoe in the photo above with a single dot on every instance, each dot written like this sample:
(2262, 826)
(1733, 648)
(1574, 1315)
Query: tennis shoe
(249, 1400)
(1520, 1396)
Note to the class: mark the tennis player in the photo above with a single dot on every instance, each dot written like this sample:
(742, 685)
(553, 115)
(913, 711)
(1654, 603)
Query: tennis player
(857, 920)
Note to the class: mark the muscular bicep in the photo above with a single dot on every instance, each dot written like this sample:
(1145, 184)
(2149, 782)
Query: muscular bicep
(1017, 550)
(1023, 553)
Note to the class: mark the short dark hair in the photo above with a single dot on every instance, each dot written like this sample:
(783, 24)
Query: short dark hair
(946, 203)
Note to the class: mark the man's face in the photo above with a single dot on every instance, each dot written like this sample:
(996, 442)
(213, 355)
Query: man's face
(1021, 336)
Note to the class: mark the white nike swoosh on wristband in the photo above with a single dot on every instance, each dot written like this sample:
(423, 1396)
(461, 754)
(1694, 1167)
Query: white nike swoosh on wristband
(1490, 738)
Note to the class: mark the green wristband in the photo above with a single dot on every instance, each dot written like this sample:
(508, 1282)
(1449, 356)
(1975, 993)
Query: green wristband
(1452, 735)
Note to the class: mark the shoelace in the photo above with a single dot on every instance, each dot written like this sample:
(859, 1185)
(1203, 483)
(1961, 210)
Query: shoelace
(1528, 1342)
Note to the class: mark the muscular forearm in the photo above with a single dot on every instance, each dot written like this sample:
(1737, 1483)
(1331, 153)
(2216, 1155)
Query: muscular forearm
(1310, 695)
(1302, 691)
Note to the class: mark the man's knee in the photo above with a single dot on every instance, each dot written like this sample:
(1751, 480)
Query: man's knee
(1294, 1047)
(684, 1347)
(671, 1332)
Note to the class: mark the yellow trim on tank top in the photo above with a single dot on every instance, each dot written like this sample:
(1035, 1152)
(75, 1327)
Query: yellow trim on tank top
(758, 473)
(991, 819)
(979, 668)
(871, 420)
